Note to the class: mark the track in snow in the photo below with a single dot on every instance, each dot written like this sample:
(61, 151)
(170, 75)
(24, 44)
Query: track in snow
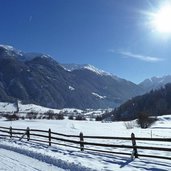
(12, 161)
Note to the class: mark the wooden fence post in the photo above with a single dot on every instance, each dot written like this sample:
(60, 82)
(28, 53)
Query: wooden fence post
(10, 131)
(81, 142)
(28, 133)
(135, 153)
(49, 137)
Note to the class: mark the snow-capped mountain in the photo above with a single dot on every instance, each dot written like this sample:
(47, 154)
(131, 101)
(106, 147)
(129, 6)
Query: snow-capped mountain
(100, 72)
(38, 78)
(10, 52)
(71, 67)
(155, 82)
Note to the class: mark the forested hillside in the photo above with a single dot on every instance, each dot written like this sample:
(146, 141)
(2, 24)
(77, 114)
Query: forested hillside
(156, 102)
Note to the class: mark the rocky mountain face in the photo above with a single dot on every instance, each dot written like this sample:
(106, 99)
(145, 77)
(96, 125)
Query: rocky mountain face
(38, 78)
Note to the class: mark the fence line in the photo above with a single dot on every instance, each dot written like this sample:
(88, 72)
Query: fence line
(49, 137)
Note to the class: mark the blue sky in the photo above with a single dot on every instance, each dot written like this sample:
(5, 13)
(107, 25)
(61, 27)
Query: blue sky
(113, 35)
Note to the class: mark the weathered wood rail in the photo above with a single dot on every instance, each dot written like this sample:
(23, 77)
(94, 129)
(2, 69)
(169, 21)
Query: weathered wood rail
(78, 141)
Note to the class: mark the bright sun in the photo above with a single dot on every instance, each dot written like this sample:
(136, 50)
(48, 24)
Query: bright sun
(161, 20)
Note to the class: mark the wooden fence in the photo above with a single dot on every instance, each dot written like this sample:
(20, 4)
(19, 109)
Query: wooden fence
(78, 141)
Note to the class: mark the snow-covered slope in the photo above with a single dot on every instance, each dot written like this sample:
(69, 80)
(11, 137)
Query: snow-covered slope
(40, 109)
(25, 108)
(7, 107)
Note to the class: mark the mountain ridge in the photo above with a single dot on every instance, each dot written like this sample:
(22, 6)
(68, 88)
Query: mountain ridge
(42, 80)
(154, 83)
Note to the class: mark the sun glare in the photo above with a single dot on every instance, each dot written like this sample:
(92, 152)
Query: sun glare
(161, 20)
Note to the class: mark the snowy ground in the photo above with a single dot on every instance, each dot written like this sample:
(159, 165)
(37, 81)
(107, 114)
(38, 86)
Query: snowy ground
(12, 161)
(55, 157)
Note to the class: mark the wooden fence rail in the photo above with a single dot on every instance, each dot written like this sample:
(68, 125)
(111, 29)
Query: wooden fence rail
(78, 141)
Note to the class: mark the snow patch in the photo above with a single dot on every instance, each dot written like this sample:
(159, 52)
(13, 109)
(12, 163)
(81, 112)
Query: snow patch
(99, 96)
(71, 88)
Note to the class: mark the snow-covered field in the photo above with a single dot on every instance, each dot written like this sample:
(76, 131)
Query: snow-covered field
(23, 153)
(6, 107)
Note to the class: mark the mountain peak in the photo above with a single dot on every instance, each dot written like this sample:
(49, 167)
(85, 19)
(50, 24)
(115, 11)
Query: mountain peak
(7, 47)
(72, 67)
(96, 70)
(155, 82)
(10, 50)
(31, 55)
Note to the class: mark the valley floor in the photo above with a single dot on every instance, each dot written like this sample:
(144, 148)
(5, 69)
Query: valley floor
(34, 156)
